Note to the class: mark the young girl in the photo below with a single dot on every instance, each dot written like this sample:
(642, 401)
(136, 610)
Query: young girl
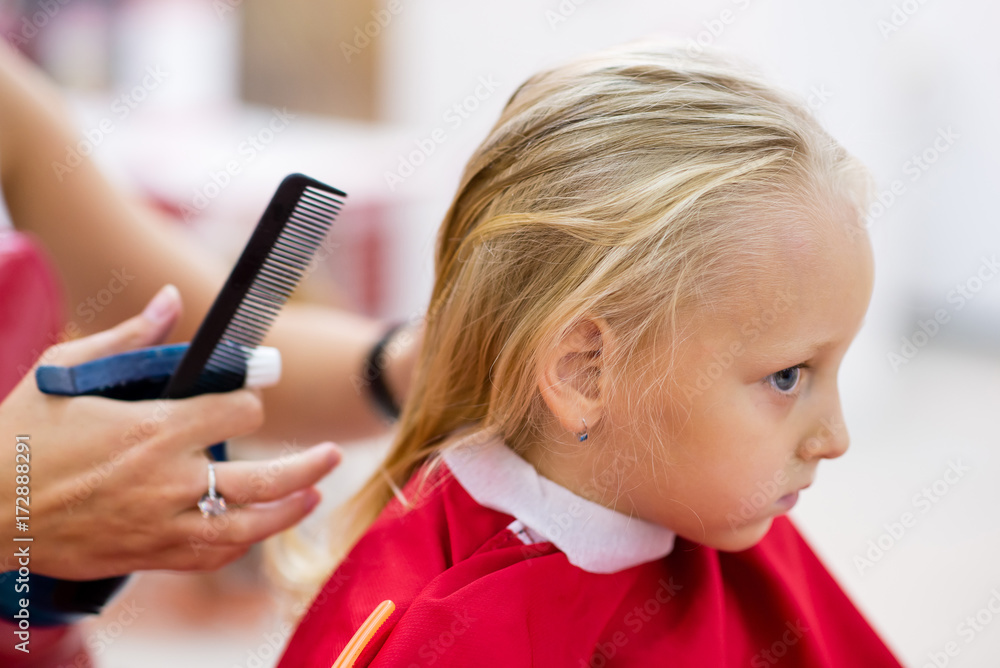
(644, 289)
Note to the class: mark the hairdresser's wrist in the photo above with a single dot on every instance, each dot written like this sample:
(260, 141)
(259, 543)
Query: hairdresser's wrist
(403, 351)
(389, 367)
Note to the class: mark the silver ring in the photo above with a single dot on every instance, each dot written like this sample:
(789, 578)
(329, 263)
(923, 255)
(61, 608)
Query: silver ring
(211, 504)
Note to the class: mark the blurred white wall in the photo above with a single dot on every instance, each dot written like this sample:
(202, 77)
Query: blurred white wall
(886, 90)
(886, 83)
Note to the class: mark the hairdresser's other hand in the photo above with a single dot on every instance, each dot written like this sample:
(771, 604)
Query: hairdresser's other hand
(114, 485)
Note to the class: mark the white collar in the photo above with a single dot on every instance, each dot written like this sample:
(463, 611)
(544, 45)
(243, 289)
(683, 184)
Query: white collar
(593, 537)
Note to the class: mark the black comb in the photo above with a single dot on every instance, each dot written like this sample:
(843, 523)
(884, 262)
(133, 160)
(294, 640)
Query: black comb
(270, 267)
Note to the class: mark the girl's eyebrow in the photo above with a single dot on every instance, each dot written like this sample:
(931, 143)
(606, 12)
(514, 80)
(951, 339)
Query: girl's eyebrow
(822, 344)
(810, 347)
(813, 346)
(780, 352)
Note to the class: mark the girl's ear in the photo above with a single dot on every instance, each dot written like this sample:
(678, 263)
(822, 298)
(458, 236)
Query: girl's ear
(573, 377)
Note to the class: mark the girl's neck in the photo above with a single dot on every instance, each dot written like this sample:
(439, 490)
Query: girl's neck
(575, 467)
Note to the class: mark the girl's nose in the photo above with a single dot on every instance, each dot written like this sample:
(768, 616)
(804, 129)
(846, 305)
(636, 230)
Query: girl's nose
(829, 441)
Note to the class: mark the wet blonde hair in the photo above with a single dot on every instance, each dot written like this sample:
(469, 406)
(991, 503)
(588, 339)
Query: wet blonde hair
(629, 184)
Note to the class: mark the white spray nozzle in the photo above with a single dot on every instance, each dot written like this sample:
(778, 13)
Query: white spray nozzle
(263, 367)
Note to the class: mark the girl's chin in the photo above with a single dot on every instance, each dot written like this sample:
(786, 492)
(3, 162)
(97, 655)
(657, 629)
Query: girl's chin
(739, 538)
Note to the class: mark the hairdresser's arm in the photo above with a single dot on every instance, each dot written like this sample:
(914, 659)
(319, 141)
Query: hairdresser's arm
(100, 242)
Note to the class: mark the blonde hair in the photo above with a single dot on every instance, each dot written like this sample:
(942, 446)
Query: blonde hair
(627, 184)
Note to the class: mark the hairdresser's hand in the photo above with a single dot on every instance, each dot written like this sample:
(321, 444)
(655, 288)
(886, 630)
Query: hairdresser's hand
(114, 485)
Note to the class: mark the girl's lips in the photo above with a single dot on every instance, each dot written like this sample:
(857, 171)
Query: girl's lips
(787, 501)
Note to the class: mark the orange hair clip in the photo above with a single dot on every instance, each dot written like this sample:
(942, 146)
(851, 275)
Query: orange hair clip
(364, 634)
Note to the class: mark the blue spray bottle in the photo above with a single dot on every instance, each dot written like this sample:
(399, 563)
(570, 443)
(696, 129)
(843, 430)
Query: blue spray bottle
(133, 376)
(224, 355)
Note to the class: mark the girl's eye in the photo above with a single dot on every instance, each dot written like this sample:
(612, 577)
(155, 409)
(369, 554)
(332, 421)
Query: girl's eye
(786, 380)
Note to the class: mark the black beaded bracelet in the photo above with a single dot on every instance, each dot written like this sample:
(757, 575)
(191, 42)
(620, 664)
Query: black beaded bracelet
(377, 390)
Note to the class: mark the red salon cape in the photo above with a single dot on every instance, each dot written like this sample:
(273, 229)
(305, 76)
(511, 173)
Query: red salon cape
(475, 586)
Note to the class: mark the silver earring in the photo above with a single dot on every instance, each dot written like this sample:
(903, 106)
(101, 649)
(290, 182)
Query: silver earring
(583, 435)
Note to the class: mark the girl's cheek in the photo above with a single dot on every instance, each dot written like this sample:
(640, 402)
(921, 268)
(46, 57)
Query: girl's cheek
(771, 403)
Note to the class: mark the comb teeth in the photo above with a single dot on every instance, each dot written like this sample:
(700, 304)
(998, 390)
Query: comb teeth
(280, 250)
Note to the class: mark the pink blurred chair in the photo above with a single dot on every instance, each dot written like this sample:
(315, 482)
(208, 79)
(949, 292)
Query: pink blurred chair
(30, 306)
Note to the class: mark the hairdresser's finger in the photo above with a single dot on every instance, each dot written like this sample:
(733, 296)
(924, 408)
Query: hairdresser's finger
(199, 422)
(146, 329)
(250, 524)
(256, 482)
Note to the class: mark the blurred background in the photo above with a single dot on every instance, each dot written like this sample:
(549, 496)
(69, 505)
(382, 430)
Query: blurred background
(352, 92)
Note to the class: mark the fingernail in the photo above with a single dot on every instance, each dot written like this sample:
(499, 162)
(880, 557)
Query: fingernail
(331, 453)
(163, 306)
(312, 499)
